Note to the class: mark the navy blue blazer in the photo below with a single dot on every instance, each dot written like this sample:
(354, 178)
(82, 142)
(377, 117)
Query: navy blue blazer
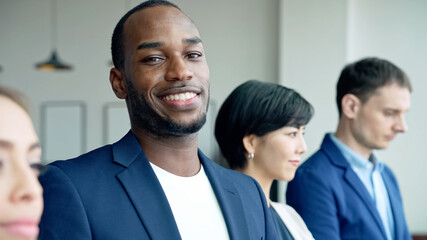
(113, 193)
(335, 204)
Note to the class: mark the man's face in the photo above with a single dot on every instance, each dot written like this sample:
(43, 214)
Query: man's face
(381, 117)
(167, 76)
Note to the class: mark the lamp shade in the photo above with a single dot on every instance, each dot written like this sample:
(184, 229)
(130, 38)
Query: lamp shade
(53, 63)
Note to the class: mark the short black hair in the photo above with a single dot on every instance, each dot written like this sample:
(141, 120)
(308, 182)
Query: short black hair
(117, 48)
(257, 108)
(363, 77)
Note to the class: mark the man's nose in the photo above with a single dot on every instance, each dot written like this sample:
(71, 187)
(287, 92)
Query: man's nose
(400, 125)
(178, 70)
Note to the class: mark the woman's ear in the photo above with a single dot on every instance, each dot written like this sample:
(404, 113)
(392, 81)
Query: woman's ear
(350, 105)
(118, 83)
(249, 143)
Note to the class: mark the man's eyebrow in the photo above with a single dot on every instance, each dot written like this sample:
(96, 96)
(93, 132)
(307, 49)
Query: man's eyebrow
(195, 40)
(146, 45)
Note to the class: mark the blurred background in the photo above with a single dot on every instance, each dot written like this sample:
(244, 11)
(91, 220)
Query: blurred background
(302, 44)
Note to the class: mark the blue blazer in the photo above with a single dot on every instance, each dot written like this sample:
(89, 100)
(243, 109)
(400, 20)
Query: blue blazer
(335, 204)
(113, 193)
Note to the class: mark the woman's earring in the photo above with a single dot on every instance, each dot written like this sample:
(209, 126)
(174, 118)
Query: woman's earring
(251, 156)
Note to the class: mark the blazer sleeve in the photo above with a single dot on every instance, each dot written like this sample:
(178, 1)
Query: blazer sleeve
(62, 208)
(313, 199)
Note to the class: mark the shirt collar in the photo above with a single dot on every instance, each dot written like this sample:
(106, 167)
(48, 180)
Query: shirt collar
(354, 159)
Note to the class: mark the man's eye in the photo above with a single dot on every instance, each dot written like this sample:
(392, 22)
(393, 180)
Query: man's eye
(151, 60)
(388, 113)
(194, 55)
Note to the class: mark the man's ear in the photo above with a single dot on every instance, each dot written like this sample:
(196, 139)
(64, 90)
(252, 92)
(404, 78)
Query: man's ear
(118, 83)
(249, 142)
(350, 105)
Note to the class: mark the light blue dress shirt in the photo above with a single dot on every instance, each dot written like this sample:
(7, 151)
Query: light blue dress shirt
(369, 172)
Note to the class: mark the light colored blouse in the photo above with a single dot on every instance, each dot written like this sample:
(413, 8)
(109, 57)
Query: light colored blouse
(293, 221)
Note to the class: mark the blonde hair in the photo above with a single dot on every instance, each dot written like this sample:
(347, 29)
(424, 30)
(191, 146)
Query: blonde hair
(14, 96)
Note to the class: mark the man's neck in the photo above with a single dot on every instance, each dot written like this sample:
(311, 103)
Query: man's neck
(177, 155)
(344, 134)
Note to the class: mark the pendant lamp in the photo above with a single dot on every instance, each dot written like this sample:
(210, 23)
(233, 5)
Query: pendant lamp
(53, 63)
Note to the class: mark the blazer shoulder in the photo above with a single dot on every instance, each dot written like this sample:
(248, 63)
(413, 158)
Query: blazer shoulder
(387, 170)
(94, 163)
(319, 161)
(389, 176)
(86, 158)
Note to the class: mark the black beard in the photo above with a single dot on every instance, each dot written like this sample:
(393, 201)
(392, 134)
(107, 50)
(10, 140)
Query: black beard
(143, 116)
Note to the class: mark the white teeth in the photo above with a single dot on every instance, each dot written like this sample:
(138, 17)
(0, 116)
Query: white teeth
(180, 96)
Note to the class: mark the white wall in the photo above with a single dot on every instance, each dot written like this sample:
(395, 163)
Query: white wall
(312, 52)
(319, 37)
(240, 39)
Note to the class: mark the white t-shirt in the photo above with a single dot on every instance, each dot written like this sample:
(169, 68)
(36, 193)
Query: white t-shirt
(194, 205)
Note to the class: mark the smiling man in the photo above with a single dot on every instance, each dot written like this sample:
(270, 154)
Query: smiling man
(343, 191)
(154, 183)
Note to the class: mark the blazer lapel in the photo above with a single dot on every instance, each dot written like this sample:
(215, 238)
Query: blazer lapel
(396, 205)
(228, 199)
(144, 189)
(352, 179)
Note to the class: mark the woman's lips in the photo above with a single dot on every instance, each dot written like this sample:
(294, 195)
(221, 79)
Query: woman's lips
(294, 162)
(23, 228)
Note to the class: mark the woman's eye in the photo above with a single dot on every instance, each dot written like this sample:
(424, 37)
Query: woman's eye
(37, 168)
(293, 134)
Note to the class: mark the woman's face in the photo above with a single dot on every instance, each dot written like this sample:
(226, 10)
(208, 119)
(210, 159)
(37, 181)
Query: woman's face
(277, 154)
(21, 201)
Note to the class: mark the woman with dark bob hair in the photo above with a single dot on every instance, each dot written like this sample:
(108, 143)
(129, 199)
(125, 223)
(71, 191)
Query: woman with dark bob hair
(259, 129)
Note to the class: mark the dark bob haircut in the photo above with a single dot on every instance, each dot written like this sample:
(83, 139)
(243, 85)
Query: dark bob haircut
(117, 48)
(365, 76)
(257, 108)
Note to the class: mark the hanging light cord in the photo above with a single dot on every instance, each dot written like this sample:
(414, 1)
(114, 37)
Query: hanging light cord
(53, 23)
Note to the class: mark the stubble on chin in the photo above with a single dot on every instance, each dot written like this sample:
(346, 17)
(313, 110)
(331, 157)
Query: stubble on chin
(144, 117)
